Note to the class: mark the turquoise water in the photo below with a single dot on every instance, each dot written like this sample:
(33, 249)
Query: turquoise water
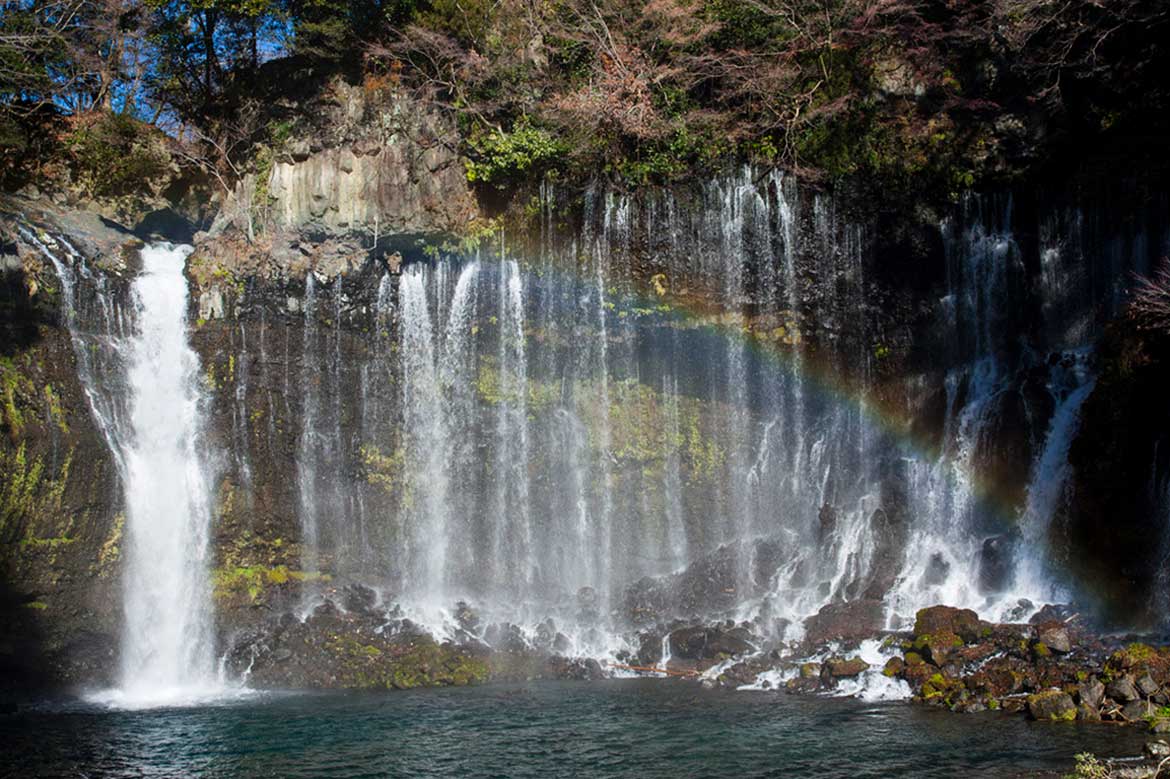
(621, 728)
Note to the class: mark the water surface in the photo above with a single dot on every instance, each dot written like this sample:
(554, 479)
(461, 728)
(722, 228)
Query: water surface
(635, 728)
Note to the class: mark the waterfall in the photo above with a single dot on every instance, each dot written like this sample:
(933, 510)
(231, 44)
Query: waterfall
(167, 643)
(436, 367)
(691, 379)
(307, 446)
(427, 439)
(1070, 386)
(144, 386)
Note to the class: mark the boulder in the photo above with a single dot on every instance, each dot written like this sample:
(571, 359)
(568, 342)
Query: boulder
(1091, 692)
(937, 648)
(842, 668)
(995, 564)
(359, 599)
(1055, 637)
(849, 621)
(1146, 685)
(801, 686)
(1122, 690)
(574, 668)
(963, 623)
(1052, 705)
(1088, 713)
(706, 643)
(1053, 613)
(1134, 711)
(1157, 749)
(1160, 726)
(894, 667)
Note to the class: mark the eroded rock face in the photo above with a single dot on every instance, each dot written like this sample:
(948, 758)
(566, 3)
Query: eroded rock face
(61, 513)
(388, 165)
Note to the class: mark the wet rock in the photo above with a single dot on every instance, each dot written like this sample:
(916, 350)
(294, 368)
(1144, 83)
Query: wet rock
(506, 637)
(545, 636)
(995, 564)
(1134, 711)
(889, 527)
(574, 668)
(937, 648)
(587, 603)
(941, 689)
(1157, 749)
(918, 674)
(842, 668)
(1023, 608)
(466, 617)
(705, 643)
(970, 706)
(649, 649)
(1146, 685)
(826, 523)
(1053, 613)
(1052, 705)
(744, 672)
(971, 655)
(1091, 692)
(1088, 713)
(802, 686)
(1056, 639)
(359, 599)
(1122, 690)
(937, 570)
(963, 623)
(850, 621)
(645, 601)
(894, 667)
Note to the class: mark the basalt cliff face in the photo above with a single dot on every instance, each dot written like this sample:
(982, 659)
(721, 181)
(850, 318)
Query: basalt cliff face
(444, 448)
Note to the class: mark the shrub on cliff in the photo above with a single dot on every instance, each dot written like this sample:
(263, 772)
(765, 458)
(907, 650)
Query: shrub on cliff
(1150, 304)
(114, 154)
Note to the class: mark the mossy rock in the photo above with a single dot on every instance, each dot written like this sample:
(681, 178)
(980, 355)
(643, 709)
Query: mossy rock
(945, 620)
(1052, 705)
(936, 647)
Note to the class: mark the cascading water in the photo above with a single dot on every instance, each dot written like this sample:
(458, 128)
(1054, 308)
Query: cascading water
(671, 413)
(167, 643)
(143, 382)
(623, 440)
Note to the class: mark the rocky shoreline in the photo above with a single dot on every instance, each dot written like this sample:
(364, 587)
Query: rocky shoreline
(1054, 667)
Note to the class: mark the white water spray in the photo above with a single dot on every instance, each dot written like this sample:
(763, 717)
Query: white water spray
(167, 639)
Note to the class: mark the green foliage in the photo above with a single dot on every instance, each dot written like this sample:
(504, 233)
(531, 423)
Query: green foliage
(14, 389)
(384, 470)
(231, 583)
(688, 149)
(56, 412)
(114, 154)
(1089, 767)
(28, 490)
(111, 551)
(500, 158)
